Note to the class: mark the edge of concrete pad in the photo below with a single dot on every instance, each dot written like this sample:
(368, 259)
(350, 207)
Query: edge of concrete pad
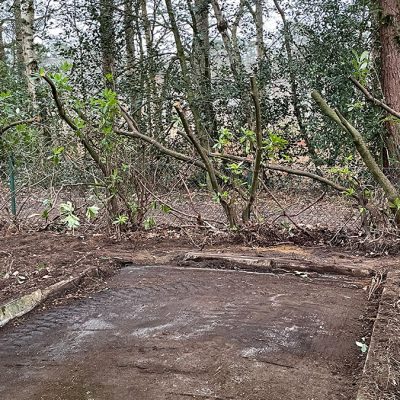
(269, 264)
(24, 304)
(376, 379)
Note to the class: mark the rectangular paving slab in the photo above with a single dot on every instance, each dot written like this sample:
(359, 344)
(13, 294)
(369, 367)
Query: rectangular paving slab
(186, 333)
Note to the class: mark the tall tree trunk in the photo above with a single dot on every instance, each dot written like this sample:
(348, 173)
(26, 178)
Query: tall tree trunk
(390, 74)
(18, 52)
(2, 49)
(288, 40)
(201, 65)
(129, 32)
(197, 118)
(235, 60)
(260, 30)
(233, 54)
(107, 40)
(151, 87)
(27, 28)
(258, 17)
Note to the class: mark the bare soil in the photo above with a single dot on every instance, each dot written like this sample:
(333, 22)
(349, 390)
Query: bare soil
(165, 332)
(36, 260)
(183, 333)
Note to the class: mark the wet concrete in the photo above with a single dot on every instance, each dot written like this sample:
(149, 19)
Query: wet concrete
(170, 333)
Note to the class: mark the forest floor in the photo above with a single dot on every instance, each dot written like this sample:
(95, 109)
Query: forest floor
(171, 316)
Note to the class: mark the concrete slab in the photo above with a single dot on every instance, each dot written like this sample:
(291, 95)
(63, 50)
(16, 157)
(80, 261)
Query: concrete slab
(187, 333)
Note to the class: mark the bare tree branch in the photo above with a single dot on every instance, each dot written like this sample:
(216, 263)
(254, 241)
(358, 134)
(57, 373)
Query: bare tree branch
(362, 148)
(4, 129)
(373, 99)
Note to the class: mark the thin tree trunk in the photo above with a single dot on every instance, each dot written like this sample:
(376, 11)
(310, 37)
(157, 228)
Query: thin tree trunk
(259, 150)
(260, 30)
(2, 48)
(361, 146)
(18, 52)
(27, 34)
(258, 17)
(201, 151)
(201, 65)
(129, 33)
(151, 87)
(235, 60)
(107, 39)
(293, 82)
(390, 73)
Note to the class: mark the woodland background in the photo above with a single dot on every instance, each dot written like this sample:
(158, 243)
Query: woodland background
(210, 114)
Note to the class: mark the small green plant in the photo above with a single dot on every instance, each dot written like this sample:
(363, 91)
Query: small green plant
(395, 204)
(91, 212)
(224, 139)
(356, 105)
(149, 223)
(273, 145)
(56, 153)
(41, 266)
(48, 205)
(165, 208)
(236, 168)
(218, 196)
(248, 140)
(119, 222)
(68, 217)
(362, 346)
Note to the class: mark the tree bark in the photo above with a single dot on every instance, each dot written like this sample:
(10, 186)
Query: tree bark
(28, 50)
(258, 157)
(235, 60)
(258, 17)
(390, 74)
(129, 33)
(107, 39)
(2, 48)
(18, 52)
(234, 57)
(201, 64)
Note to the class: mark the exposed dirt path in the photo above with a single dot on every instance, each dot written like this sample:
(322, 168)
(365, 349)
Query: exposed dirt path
(184, 333)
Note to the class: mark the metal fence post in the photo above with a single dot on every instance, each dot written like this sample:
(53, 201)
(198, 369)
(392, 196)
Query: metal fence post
(12, 184)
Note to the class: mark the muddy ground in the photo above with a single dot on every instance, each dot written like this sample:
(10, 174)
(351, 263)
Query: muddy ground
(166, 332)
(161, 331)
(36, 260)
